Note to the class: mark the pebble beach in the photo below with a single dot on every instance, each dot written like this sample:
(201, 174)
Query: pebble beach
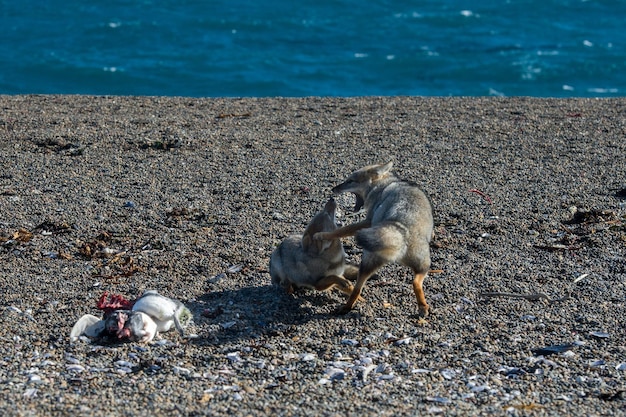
(190, 197)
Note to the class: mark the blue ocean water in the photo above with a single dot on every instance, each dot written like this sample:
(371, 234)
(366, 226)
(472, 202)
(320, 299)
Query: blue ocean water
(195, 48)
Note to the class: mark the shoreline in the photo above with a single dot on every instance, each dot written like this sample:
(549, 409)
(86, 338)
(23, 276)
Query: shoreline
(185, 188)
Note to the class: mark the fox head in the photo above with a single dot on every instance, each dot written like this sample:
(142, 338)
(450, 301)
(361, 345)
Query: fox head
(360, 182)
(324, 221)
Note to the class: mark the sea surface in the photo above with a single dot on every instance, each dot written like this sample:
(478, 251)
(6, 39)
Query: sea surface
(194, 48)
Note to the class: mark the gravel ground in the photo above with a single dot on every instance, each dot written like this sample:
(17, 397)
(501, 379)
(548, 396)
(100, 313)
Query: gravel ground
(192, 195)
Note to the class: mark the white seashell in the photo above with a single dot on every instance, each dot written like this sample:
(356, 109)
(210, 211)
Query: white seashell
(307, 357)
(259, 363)
(381, 368)
(467, 300)
(34, 378)
(123, 364)
(366, 371)
(14, 309)
(30, 393)
(403, 341)
(621, 367)
(335, 374)
(234, 268)
(217, 278)
(581, 277)
(350, 342)
(342, 364)
(440, 400)
(366, 360)
(124, 370)
(181, 371)
(228, 324)
(233, 357)
(323, 381)
(448, 373)
(479, 388)
(75, 368)
(71, 359)
(106, 252)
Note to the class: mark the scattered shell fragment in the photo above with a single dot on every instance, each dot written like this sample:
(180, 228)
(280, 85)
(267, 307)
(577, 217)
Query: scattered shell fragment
(31, 393)
(597, 364)
(75, 368)
(580, 278)
(403, 341)
(123, 364)
(366, 371)
(448, 373)
(439, 400)
(14, 309)
(181, 371)
(550, 350)
(599, 335)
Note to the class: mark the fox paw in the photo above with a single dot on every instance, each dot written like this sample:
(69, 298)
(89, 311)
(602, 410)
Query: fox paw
(343, 310)
(320, 236)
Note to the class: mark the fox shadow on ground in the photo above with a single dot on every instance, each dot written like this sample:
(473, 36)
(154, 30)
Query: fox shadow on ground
(250, 313)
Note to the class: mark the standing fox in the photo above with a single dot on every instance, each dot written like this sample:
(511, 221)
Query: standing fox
(397, 228)
(301, 261)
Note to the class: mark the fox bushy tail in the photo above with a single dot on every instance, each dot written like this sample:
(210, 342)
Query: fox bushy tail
(387, 240)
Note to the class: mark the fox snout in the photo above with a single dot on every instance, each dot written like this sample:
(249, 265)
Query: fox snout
(349, 187)
(341, 188)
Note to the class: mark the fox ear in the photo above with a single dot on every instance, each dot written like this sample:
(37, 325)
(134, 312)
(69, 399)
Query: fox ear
(382, 169)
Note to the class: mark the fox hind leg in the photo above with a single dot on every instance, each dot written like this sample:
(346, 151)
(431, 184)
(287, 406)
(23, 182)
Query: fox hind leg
(370, 263)
(419, 293)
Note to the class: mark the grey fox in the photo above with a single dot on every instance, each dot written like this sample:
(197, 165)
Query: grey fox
(301, 261)
(397, 228)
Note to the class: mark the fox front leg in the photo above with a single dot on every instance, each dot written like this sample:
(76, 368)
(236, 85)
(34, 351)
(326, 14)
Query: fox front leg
(344, 231)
